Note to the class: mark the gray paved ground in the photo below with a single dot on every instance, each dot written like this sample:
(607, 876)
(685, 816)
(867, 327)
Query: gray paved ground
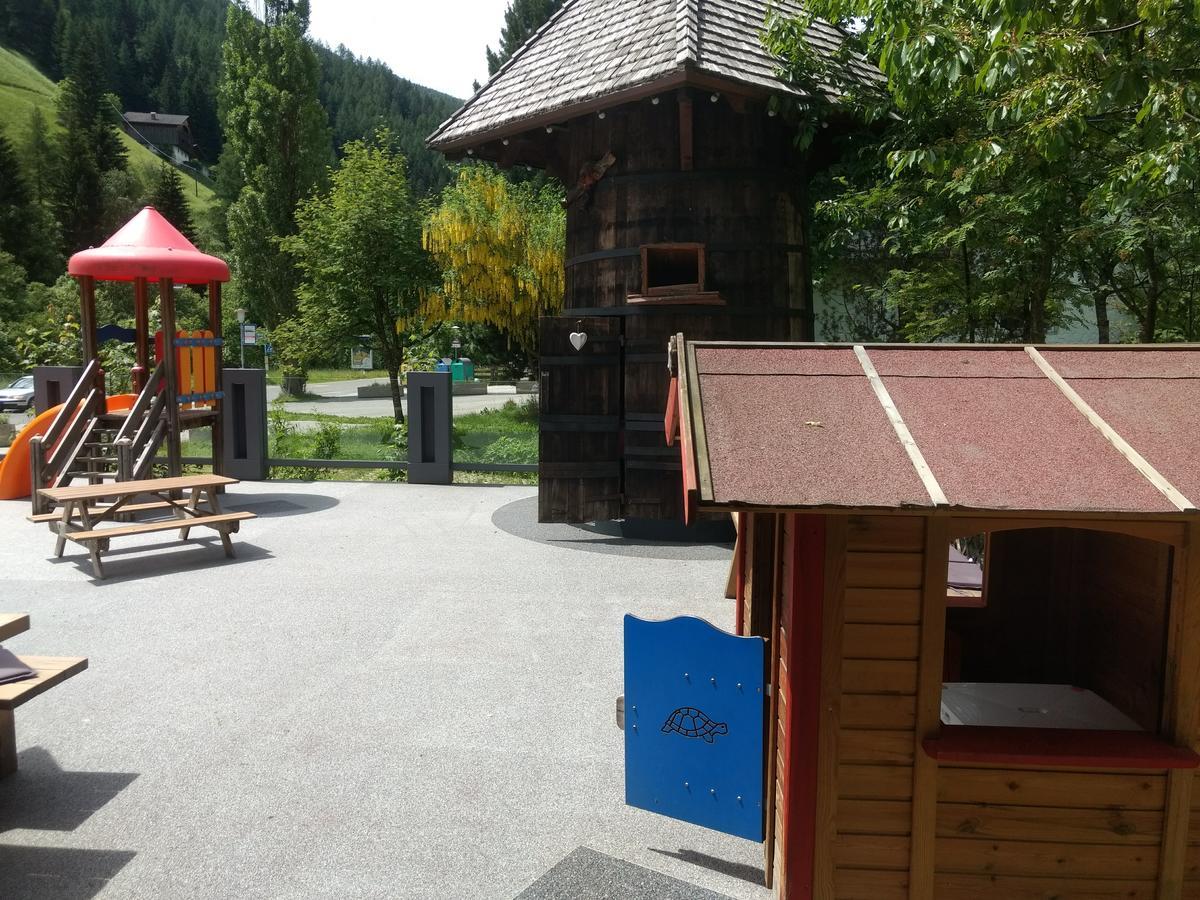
(387, 695)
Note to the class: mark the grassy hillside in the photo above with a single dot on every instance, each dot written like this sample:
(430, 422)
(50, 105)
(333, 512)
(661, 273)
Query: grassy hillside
(22, 87)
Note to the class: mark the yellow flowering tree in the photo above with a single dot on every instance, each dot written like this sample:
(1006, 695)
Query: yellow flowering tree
(500, 248)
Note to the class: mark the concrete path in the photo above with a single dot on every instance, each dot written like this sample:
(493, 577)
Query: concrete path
(395, 691)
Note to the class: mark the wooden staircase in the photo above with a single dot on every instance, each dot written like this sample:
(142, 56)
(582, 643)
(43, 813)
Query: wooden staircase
(87, 443)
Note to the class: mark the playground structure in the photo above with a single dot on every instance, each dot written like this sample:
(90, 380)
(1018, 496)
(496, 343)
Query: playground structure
(97, 438)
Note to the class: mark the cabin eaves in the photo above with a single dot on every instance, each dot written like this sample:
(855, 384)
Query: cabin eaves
(898, 428)
(596, 49)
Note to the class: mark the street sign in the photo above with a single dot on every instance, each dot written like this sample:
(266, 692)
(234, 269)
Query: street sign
(249, 333)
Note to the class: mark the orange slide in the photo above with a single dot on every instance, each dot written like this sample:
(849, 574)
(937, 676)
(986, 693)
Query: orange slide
(14, 466)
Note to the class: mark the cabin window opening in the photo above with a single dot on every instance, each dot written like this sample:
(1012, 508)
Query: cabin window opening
(1068, 631)
(966, 575)
(672, 269)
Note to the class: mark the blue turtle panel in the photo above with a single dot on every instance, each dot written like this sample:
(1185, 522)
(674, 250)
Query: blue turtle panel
(694, 709)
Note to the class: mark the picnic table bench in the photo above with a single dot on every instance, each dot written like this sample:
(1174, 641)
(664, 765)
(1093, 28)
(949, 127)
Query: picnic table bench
(85, 518)
(51, 670)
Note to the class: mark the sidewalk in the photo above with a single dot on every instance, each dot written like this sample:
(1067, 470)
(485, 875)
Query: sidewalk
(395, 691)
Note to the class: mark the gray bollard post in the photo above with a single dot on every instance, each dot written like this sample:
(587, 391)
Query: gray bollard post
(244, 415)
(430, 420)
(53, 384)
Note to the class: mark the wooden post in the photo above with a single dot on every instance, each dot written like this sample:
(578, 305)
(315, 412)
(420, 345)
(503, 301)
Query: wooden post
(810, 688)
(87, 317)
(685, 132)
(8, 743)
(141, 324)
(37, 463)
(166, 300)
(218, 425)
(1180, 722)
(826, 718)
(929, 706)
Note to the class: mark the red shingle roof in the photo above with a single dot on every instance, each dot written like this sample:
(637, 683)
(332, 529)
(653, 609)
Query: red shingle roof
(982, 428)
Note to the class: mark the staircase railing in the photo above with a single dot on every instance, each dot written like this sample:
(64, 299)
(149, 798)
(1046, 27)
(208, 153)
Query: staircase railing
(51, 454)
(143, 431)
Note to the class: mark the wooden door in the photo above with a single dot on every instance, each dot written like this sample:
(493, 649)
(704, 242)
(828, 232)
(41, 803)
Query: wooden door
(579, 469)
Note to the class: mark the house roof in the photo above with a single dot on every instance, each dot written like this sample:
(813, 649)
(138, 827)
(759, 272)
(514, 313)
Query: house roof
(892, 427)
(595, 49)
(154, 118)
(150, 247)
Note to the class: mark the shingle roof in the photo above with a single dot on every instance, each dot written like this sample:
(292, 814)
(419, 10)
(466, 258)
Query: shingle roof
(154, 118)
(893, 427)
(591, 49)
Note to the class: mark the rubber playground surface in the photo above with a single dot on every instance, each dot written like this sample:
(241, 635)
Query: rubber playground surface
(394, 691)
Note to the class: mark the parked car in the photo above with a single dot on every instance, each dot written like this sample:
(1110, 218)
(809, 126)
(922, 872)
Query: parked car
(18, 396)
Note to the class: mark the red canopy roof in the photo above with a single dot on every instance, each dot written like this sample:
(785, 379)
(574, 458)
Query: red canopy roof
(150, 247)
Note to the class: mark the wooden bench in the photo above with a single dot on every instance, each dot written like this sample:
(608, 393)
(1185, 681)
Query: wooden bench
(51, 670)
(85, 519)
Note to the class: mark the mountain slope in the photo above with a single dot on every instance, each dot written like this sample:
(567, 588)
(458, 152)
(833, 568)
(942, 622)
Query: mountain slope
(23, 87)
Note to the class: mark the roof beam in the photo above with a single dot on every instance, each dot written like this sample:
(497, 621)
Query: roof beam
(936, 494)
(1151, 474)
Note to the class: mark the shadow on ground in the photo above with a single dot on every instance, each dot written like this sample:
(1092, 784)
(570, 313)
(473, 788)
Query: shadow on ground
(753, 874)
(42, 797)
(41, 873)
(273, 506)
(587, 873)
(519, 519)
(122, 564)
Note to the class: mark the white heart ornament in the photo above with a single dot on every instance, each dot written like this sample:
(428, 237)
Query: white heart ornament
(578, 339)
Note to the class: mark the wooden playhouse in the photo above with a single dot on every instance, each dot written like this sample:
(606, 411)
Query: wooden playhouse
(1032, 738)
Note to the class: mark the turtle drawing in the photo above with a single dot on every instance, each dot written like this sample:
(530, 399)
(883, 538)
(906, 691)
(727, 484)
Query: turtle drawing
(692, 723)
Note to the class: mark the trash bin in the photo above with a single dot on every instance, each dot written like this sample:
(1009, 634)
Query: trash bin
(468, 368)
(456, 371)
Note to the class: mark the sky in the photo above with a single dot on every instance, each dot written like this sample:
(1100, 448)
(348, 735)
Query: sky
(441, 45)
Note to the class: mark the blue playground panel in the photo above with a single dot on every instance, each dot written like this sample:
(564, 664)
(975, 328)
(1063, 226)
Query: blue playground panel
(694, 710)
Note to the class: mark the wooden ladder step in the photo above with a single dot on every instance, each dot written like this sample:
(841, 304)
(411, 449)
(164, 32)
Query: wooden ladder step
(163, 525)
(101, 510)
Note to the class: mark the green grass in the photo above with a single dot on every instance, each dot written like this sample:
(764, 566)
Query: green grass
(505, 435)
(320, 376)
(23, 87)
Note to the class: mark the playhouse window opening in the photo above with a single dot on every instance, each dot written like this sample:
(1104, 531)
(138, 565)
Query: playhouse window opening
(672, 268)
(1068, 631)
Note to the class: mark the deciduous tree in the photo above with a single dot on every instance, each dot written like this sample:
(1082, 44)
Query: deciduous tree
(500, 249)
(359, 248)
(1046, 152)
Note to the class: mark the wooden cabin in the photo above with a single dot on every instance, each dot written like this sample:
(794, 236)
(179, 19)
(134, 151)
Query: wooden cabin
(1032, 738)
(686, 210)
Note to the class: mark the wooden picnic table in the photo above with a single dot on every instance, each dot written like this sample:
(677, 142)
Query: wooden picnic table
(51, 670)
(88, 512)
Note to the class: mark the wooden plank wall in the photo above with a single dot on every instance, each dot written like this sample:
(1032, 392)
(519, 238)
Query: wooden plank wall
(1020, 834)
(877, 711)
